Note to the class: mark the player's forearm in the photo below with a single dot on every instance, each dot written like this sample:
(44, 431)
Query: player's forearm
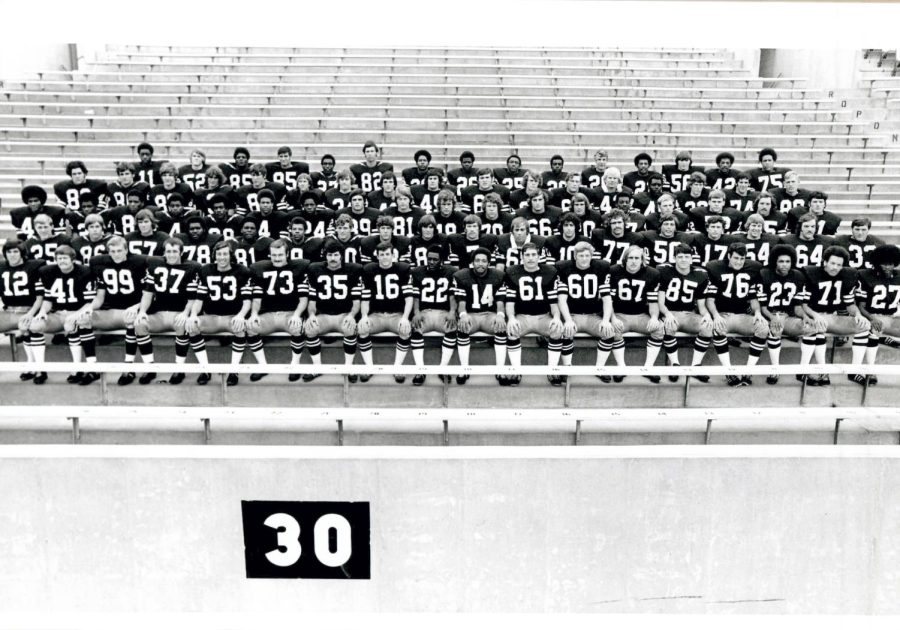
(408, 307)
(255, 305)
(196, 307)
(606, 315)
(861, 307)
(501, 308)
(311, 308)
(364, 306)
(453, 307)
(302, 306)
(653, 307)
(416, 307)
(98, 300)
(356, 309)
(146, 301)
(711, 308)
(754, 307)
(854, 311)
(562, 306)
(35, 308)
(511, 309)
(766, 313)
(245, 309)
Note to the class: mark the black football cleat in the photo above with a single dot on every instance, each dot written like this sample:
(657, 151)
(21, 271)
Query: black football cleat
(147, 378)
(75, 378)
(365, 378)
(772, 379)
(890, 342)
(127, 378)
(203, 378)
(514, 381)
(747, 380)
(26, 376)
(503, 381)
(617, 378)
(824, 380)
(309, 378)
(293, 378)
(257, 376)
(606, 378)
(352, 378)
(232, 380)
(734, 381)
(653, 379)
(40, 378)
(701, 377)
(462, 379)
(90, 377)
(554, 380)
(399, 379)
(177, 378)
(811, 381)
(418, 379)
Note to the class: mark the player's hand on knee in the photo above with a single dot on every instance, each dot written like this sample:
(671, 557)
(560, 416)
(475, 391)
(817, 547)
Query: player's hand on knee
(311, 327)
(862, 323)
(449, 323)
(404, 327)
(776, 326)
(238, 325)
(654, 325)
(570, 328)
(877, 325)
(499, 324)
(513, 327)
(295, 326)
(418, 321)
(252, 324)
(192, 325)
(364, 326)
(131, 314)
(720, 326)
(556, 327)
(464, 325)
(618, 326)
(670, 325)
(348, 326)
(181, 320)
(607, 330)
(70, 323)
(24, 323)
(820, 324)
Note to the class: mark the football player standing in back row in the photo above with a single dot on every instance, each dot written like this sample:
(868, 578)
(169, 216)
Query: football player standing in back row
(368, 172)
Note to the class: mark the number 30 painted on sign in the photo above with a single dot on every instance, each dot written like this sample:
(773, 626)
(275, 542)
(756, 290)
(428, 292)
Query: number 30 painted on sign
(289, 550)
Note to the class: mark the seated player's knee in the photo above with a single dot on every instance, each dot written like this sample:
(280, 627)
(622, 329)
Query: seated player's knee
(365, 328)
(143, 328)
(760, 328)
(70, 324)
(658, 334)
(311, 327)
(38, 325)
(706, 329)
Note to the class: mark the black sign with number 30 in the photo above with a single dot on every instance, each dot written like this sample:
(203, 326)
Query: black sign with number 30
(306, 539)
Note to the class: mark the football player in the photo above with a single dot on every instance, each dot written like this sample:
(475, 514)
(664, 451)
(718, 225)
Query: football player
(42, 246)
(645, 202)
(878, 300)
(162, 194)
(368, 172)
(68, 192)
(633, 288)
(434, 308)
(121, 219)
(562, 246)
(512, 176)
(418, 174)
(119, 277)
(694, 198)
(511, 247)
(404, 215)
(809, 245)
(759, 243)
(542, 220)
(590, 219)
(859, 243)
(637, 180)
(827, 223)
(556, 177)
(386, 306)
(215, 185)
(425, 194)
(473, 196)
(334, 302)
(94, 242)
(659, 247)
(35, 198)
(722, 176)
(362, 218)
(585, 305)
(775, 222)
(791, 199)
(193, 174)
(495, 219)
(198, 243)
(464, 176)
(780, 293)
(125, 184)
(237, 173)
(250, 247)
(18, 293)
(532, 308)
(325, 179)
(67, 289)
(147, 169)
(593, 175)
(385, 198)
(225, 293)
(731, 298)
(462, 246)
(519, 198)
(731, 218)
(713, 244)
(248, 196)
(223, 220)
(562, 196)
(299, 246)
(349, 242)
(677, 176)
(742, 197)
(426, 237)
(606, 194)
(169, 290)
(146, 240)
(767, 175)
(285, 171)
(173, 219)
(384, 233)
(830, 293)
(280, 297)
(611, 241)
(665, 207)
(448, 220)
(318, 218)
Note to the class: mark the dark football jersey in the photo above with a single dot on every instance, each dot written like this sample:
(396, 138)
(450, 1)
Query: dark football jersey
(418, 249)
(859, 250)
(43, 250)
(228, 227)
(18, 285)
(433, 289)
(562, 198)
(558, 248)
(756, 250)
(635, 222)
(605, 199)
(583, 288)
(479, 293)
(808, 252)
(121, 281)
(68, 193)
(532, 292)
(200, 251)
(363, 222)
(501, 224)
(611, 248)
(195, 179)
(717, 179)
(590, 221)
(287, 177)
(172, 286)
(424, 198)
(203, 197)
(117, 194)
(414, 176)
(400, 248)
(509, 253)
(543, 224)
(248, 197)
(661, 249)
(645, 202)
(159, 196)
(681, 291)
(323, 181)
(591, 177)
(552, 181)
(473, 196)
(309, 249)
(171, 224)
(676, 181)
(698, 216)
(223, 292)
(732, 289)
(23, 220)
(518, 198)
(774, 222)
(654, 220)
(741, 203)
(66, 291)
(511, 180)
(827, 223)
(75, 220)
(880, 295)
(637, 182)
(386, 290)
(333, 291)
(787, 203)
(148, 173)
(779, 293)
(380, 201)
(405, 222)
(351, 248)
(368, 178)
(827, 294)
(279, 288)
(707, 249)
(247, 254)
(461, 179)
(761, 180)
(686, 202)
(453, 223)
(273, 225)
(318, 222)
(461, 248)
(87, 249)
(632, 293)
(119, 220)
(237, 176)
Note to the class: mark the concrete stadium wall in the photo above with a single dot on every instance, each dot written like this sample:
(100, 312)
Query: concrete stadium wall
(653, 530)
(22, 58)
(824, 69)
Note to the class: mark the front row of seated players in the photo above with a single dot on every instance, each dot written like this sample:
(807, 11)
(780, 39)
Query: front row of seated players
(149, 295)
